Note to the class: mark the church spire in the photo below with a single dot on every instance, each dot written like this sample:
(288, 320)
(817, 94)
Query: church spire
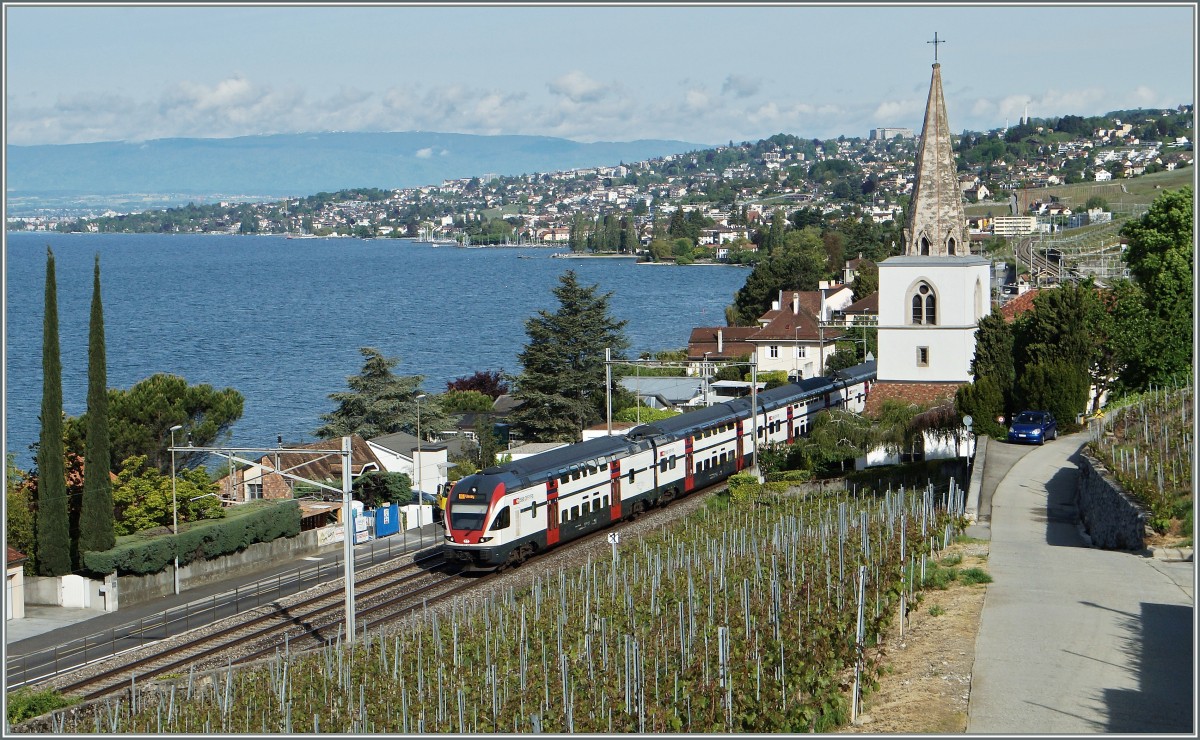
(937, 224)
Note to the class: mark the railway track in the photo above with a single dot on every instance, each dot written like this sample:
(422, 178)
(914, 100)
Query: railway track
(309, 620)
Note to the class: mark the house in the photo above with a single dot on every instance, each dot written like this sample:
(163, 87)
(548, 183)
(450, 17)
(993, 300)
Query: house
(318, 461)
(425, 464)
(792, 336)
(14, 585)
(716, 344)
(851, 268)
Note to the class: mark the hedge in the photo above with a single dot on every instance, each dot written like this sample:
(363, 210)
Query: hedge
(243, 525)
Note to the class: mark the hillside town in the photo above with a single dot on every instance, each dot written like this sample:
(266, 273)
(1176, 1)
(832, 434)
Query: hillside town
(734, 189)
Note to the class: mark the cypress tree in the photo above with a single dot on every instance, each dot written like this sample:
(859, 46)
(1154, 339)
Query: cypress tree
(53, 534)
(96, 532)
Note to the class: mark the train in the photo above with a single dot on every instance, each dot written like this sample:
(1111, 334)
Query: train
(504, 514)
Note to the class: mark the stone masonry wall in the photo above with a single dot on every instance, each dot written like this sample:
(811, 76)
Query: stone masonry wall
(1113, 520)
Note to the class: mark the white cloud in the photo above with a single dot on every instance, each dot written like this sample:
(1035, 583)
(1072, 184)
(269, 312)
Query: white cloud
(425, 153)
(578, 88)
(742, 86)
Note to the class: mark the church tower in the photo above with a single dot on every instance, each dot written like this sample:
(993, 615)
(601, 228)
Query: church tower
(932, 297)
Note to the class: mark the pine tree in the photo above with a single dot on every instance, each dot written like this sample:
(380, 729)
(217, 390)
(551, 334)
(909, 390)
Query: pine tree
(562, 385)
(53, 533)
(380, 402)
(96, 532)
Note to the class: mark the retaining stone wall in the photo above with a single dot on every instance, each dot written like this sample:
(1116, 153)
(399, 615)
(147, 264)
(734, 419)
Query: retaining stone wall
(1113, 520)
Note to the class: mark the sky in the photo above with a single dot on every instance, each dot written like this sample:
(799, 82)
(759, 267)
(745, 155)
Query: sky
(704, 74)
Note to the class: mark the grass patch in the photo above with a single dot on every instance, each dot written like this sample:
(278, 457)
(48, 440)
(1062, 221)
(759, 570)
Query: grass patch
(26, 704)
(952, 560)
(972, 576)
(936, 610)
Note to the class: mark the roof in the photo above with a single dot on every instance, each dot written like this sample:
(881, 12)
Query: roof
(734, 344)
(505, 403)
(783, 323)
(534, 448)
(15, 556)
(403, 443)
(324, 467)
(674, 390)
(868, 305)
(921, 394)
(1019, 305)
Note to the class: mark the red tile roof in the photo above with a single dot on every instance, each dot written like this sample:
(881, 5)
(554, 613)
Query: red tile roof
(733, 340)
(1019, 305)
(867, 306)
(15, 556)
(922, 394)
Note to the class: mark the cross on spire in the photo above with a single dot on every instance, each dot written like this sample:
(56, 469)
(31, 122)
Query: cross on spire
(935, 42)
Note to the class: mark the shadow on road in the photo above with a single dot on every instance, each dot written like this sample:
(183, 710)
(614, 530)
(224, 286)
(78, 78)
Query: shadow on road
(1061, 515)
(1159, 645)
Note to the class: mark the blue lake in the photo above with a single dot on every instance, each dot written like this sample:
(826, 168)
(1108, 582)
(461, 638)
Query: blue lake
(282, 320)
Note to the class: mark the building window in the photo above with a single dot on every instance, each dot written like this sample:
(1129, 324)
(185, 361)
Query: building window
(253, 491)
(801, 352)
(924, 305)
(922, 357)
(773, 351)
(950, 245)
(924, 245)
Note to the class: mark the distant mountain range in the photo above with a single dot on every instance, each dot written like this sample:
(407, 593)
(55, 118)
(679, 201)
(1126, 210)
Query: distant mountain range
(281, 165)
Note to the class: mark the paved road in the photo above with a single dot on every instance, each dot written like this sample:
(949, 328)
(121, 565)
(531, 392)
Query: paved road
(1073, 639)
(53, 639)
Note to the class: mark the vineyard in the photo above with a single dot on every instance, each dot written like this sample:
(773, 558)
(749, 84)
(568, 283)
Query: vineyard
(751, 618)
(1148, 446)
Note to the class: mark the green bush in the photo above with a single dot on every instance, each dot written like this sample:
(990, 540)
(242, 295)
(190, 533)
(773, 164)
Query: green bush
(245, 525)
(974, 575)
(24, 703)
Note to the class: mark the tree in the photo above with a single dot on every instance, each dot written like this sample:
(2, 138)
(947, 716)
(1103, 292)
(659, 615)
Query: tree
(994, 360)
(866, 281)
(490, 382)
(459, 402)
(561, 386)
(19, 514)
(96, 516)
(378, 487)
(798, 264)
(489, 444)
(140, 419)
(53, 526)
(1160, 256)
(379, 402)
(143, 500)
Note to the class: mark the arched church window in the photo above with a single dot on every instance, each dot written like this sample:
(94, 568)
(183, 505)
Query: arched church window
(924, 245)
(950, 246)
(978, 300)
(924, 305)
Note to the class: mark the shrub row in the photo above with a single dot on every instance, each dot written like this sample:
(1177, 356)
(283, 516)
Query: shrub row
(244, 525)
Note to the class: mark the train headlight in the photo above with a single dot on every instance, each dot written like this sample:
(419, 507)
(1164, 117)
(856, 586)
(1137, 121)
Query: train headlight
(485, 539)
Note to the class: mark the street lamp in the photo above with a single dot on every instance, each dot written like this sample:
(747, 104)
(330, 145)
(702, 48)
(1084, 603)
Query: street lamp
(175, 509)
(420, 502)
(707, 385)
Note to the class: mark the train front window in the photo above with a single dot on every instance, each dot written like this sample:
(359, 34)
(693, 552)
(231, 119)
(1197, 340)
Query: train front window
(501, 520)
(467, 516)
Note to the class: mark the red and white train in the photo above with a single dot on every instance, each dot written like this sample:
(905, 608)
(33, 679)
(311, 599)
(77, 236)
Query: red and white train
(506, 513)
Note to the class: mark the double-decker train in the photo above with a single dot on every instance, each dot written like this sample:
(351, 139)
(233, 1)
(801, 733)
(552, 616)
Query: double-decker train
(504, 514)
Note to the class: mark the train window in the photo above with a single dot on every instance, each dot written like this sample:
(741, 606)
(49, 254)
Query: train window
(631, 474)
(575, 513)
(563, 479)
(467, 516)
(501, 521)
(566, 516)
(672, 462)
(604, 466)
(606, 501)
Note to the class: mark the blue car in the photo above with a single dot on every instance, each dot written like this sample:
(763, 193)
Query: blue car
(1033, 426)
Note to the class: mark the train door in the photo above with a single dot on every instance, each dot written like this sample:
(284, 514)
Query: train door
(614, 477)
(741, 445)
(689, 478)
(552, 512)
